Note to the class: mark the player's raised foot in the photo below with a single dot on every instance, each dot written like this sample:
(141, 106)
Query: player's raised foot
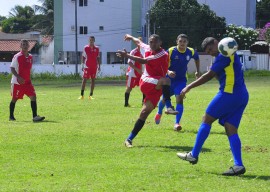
(38, 118)
(128, 143)
(187, 157)
(81, 97)
(128, 105)
(157, 118)
(235, 170)
(171, 111)
(90, 98)
(177, 127)
(12, 119)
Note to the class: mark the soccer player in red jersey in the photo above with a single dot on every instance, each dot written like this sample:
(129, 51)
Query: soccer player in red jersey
(91, 63)
(21, 81)
(153, 82)
(134, 73)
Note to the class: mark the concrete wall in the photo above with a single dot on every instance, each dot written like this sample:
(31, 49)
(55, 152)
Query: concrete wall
(250, 61)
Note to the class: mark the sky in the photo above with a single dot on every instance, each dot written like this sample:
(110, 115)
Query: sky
(7, 5)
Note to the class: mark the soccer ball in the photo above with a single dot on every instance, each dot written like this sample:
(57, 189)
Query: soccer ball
(227, 46)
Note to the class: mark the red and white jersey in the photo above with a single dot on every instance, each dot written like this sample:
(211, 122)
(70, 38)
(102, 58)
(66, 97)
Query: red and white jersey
(157, 62)
(90, 54)
(23, 66)
(130, 71)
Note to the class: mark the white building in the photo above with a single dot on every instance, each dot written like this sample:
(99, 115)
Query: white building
(240, 12)
(107, 20)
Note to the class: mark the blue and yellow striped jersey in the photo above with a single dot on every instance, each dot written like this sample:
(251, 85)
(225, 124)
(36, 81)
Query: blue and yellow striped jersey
(178, 61)
(229, 72)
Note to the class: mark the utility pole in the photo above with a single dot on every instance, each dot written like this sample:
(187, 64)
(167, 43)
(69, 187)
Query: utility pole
(76, 38)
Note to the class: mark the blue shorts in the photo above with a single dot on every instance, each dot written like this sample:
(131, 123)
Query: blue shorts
(177, 86)
(228, 107)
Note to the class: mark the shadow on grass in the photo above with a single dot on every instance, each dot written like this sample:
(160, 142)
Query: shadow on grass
(211, 132)
(250, 177)
(174, 148)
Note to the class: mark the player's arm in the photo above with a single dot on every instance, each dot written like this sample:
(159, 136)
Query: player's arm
(134, 67)
(131, 38)
(19, 78)
(203, 79)
(98, 62)
(124, 54)
(197, 72)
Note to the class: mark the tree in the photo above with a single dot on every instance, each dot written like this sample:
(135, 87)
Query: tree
(171, 18)
(262, 12)
(18, 11)
(45, 21)
(19, 20)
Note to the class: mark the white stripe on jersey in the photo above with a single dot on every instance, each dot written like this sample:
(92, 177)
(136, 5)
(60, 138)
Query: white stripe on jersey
(149, 80)
(160, 54)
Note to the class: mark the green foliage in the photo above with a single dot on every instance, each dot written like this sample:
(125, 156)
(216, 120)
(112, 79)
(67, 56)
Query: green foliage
(174, 17)
(262, 12)
(16, 25)
(245, 37)
(79, 146)
(267, 35)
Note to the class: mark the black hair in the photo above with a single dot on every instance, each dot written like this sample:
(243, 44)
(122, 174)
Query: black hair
(207, 41)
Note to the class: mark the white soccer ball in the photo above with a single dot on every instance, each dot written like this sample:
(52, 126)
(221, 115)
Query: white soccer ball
(227, 46)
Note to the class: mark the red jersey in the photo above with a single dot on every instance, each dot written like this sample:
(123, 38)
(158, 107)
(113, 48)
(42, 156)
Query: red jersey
(90, 54)
(157, 62)
(130, 71)
(23, 66)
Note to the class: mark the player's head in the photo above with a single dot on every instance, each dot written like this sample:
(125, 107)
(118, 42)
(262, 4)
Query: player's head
(210, 46)
(155, 42)
(182, 41)
(91, 40)
(24, 45)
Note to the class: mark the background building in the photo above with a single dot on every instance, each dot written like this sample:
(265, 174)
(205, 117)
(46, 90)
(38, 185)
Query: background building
(240, 12)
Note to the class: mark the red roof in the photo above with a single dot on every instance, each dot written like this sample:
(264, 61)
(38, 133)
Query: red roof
(14, 45)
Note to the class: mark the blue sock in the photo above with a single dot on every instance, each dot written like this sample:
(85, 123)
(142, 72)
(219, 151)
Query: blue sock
(180, 109)
(131, 136)
(235, 144)
(168, 103)
(161, 105)
(202, 135)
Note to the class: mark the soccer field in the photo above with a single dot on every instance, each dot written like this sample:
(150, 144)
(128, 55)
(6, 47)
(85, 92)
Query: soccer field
(79, 146)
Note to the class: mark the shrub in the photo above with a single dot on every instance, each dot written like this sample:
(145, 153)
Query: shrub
(245, 37)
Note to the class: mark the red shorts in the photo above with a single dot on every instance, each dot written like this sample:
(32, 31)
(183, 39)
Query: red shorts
(132, 81)
(148, 88)
(89, 73)
(18, 91)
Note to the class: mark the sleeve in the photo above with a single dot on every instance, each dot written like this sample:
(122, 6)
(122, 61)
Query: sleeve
(84, 53)
(196, 56)
(132, 53)
(14, 62)
(220, 63)
(143, 48)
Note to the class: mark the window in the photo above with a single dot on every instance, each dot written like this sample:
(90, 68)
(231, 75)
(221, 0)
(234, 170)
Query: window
(83, 30)
(101, 28)
(83, 3)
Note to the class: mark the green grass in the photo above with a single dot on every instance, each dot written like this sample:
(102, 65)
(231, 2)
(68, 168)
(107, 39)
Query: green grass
(79, 147)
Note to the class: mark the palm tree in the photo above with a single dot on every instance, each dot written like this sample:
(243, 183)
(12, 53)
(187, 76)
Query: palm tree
(44, 22)
(19, 11)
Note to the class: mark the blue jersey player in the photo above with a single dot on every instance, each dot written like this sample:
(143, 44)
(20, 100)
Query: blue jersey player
(179, 57)
(227, 106)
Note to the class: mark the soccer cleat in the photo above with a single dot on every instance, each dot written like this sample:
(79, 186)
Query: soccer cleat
(90, 98)
(157, 118)
(12, 119)
(128, 143)
(177, 127)
(235, 170)
(38, 118)
(187, 157)
(171, 111)
(81, 97)
(128, 105)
